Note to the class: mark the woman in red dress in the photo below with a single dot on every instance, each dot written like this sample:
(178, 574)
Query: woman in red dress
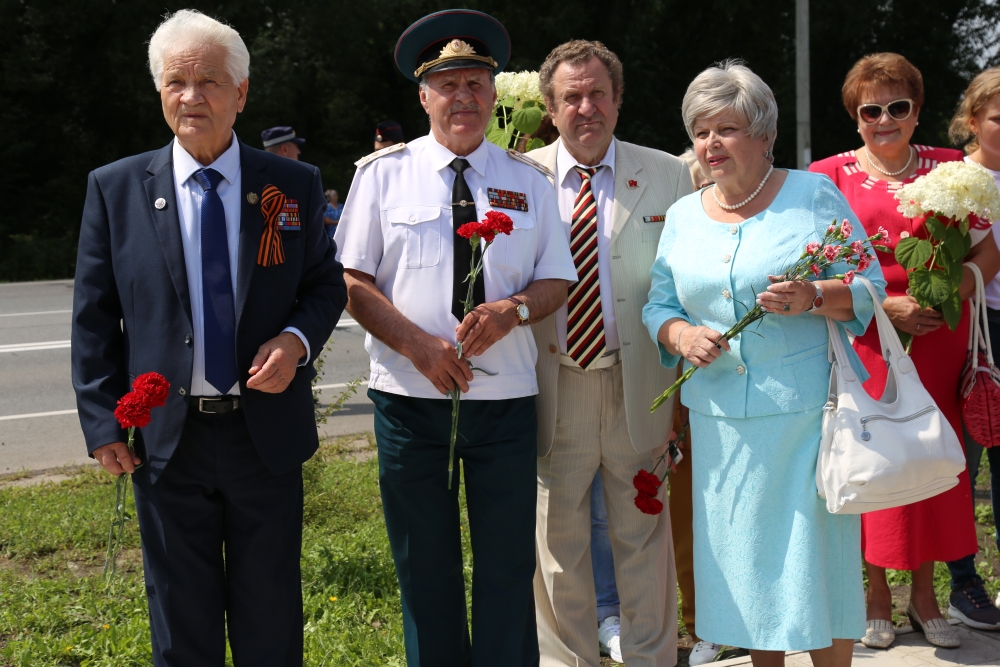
(883, 93)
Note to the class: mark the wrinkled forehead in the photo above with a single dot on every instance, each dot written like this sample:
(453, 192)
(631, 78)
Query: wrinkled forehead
(195, 57)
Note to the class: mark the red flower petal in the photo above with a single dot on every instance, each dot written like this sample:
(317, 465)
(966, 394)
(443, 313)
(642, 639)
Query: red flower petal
(469, 229)
(499, 222)
(154, 387)
(132, 410)
(646, 483)
(648, 505)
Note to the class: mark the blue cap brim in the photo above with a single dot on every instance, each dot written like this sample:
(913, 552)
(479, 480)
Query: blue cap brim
(450, 24)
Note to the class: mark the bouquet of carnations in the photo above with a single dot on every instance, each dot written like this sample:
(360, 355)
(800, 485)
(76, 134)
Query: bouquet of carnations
(479, 233)
(950, 200)
(647, 483)
(518, 113)
(817, 256)
(149, 391)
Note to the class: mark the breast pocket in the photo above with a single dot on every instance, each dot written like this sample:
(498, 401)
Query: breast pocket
(418, 229)
(507, 252)
(651, 232)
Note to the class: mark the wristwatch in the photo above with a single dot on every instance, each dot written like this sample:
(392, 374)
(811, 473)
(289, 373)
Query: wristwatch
(817, 301)
(521, 310)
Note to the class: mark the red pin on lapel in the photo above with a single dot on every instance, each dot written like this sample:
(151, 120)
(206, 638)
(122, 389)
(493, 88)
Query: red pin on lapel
(633, 184)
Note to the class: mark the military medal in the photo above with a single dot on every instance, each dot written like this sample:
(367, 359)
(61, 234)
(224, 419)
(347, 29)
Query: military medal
(273, 204)
(654, 218)
(252, 198)
(288, 218)
(516, 201)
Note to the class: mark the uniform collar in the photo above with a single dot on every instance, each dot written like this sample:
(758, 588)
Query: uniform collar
(227, 164)
(565, 162)
(441, 157)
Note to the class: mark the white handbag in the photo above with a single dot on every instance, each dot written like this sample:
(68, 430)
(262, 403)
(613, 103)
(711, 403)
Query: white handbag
(876, 454)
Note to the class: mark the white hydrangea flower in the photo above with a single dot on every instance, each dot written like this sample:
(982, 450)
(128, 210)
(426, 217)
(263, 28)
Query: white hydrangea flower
(953, 190)
(523, 86)
(503, 84)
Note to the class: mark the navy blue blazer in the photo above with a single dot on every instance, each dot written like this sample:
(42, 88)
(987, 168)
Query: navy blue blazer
(132, 311)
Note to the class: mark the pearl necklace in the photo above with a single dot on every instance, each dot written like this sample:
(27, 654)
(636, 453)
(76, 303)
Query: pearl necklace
(889, 173)
(746, 201)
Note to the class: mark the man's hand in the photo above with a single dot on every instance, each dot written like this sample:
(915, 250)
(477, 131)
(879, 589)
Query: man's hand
(274, 366)
(485, 325)
(116, 458)
(438, 361)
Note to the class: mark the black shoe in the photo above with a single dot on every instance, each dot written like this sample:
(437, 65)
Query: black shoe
(972, 606)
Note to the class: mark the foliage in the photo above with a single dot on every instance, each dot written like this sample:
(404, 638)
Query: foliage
(320, 413)
(54, 609)
(518, 113)
(76, 93)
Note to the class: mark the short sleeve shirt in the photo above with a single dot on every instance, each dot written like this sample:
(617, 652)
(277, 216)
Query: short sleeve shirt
(399, 229)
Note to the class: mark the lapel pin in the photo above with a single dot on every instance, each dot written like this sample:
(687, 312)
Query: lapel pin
(252, 198)
(633, 184)
(160, 204)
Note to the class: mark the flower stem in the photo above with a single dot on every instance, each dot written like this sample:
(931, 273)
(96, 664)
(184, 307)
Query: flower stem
(119, 518)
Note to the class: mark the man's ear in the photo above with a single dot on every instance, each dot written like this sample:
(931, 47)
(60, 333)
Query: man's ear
(423, 100)
(241, 95)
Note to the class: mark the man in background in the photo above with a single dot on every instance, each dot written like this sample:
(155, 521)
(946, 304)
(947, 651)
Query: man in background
(282, 141)
(388, 133)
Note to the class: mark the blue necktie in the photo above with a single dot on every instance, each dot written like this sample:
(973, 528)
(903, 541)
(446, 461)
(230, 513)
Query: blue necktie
(216, 286)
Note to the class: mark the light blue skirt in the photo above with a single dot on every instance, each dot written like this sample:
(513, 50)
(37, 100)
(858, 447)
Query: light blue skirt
(773, 569)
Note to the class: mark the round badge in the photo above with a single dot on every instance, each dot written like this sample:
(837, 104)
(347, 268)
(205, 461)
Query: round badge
(160, 204)
(252, 197)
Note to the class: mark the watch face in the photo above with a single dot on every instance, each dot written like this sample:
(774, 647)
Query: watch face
(818, 302)
(522, 311)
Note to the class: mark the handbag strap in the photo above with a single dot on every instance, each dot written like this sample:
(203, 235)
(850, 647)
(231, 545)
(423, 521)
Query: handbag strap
(892, 348)
(979, 334)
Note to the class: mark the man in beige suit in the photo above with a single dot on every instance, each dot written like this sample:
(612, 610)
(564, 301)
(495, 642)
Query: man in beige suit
(598, 373)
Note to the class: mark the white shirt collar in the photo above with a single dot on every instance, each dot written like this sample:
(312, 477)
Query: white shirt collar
(227, 164)
(441, 157)
(565, 162)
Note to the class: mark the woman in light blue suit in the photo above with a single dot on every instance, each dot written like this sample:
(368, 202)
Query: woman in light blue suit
(774, 571)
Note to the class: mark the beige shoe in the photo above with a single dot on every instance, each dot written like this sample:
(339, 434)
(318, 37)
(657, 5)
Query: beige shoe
(880, 634)
(937, 631)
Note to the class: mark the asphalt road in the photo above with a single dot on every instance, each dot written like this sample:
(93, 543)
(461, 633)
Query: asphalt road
(39, 428)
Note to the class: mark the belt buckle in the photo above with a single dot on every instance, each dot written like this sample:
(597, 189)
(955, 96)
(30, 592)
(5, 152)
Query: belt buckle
(234, 403)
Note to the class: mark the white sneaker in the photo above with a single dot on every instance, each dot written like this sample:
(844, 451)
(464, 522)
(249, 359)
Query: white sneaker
(608, 634)
(703, 653)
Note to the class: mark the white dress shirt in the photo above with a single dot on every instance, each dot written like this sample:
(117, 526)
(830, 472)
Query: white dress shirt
(602, 184)
(397, 226)
(189, 194)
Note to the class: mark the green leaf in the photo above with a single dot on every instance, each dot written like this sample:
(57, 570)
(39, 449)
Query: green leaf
(527, 120)
(935, 228)
(964, 225)
(499, 136)
(534, 144)
(528, 103)
(954, 241)
(929, 288)
(956, 271)
(913, 252)
(951, 308)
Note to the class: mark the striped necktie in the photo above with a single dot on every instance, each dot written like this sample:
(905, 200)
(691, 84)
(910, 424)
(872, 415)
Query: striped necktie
(585, 323)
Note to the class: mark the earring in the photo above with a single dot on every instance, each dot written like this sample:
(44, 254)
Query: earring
(767, 154)
(858, 130)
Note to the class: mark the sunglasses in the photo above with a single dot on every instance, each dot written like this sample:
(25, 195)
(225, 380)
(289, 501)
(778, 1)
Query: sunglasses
(898, 110)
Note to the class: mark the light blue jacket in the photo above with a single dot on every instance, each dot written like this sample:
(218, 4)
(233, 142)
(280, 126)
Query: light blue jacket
(709, 273)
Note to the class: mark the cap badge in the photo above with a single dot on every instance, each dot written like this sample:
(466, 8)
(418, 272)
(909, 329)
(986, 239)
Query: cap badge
(633, 184)
(457, 47)
(160, 204)
(454, 50)
(252, 198)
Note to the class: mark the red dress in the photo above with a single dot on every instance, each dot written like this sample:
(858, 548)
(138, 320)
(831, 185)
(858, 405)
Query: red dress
(941, 528)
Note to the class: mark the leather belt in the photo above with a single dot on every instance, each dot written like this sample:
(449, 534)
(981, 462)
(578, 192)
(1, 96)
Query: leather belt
(216, 405)
(607, 361)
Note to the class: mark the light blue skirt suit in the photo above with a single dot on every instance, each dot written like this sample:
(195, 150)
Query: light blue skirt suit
(773, 569)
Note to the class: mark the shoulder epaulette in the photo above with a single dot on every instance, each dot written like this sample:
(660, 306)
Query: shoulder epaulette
(531, 162)
(379, 153)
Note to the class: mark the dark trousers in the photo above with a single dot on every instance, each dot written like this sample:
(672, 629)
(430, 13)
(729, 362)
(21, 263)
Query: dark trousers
(497, 447)
(221, 539)
(963, 570)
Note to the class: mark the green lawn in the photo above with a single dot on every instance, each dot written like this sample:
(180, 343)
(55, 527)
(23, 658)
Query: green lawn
(54, 609)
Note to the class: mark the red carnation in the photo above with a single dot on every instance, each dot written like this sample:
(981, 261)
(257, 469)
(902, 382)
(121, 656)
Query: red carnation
(469, 229)
(849, 277)
(648, 505)
(646, 483)
(132, 410)
(499, 222)
(154, 387)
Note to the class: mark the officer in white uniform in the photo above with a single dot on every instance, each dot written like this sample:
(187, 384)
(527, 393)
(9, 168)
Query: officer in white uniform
(405, 268)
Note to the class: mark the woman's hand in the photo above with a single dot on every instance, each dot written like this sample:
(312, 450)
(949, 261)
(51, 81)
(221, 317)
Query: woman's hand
(791, 297)
(906, 315)
(701, 345)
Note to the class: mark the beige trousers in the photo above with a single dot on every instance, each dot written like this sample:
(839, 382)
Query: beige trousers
(591, 433)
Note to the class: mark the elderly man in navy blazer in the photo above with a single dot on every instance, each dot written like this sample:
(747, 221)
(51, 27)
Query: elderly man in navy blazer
(206, 261)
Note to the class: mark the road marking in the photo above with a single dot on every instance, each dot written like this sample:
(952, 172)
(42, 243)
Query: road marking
(331, 386)
(38, 414)
(347, 323)
(31, 347)
(40, 312)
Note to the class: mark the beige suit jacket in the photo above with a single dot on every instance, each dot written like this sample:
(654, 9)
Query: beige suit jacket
(647, 183)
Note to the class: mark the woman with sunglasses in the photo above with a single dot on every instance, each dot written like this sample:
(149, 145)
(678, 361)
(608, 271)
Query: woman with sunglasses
(883, 93)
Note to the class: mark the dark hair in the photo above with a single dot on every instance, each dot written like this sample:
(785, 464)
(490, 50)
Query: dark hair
(579, 51)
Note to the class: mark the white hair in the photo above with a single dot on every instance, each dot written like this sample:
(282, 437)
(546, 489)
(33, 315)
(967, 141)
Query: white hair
(190, 27)
(732, 86)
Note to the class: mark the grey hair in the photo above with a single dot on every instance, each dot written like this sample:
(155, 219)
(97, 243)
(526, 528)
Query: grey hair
(732, 86)
(190, 27)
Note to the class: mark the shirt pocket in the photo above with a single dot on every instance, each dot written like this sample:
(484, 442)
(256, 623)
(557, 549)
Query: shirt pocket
(418, 229)
(506, 252)
(651, 231)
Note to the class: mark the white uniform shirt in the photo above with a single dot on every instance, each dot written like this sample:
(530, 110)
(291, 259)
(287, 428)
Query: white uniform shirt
(397, 226)
(602, 184)
(189, 194)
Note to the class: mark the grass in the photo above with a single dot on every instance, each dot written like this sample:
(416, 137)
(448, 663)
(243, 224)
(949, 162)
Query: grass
(55, 611)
